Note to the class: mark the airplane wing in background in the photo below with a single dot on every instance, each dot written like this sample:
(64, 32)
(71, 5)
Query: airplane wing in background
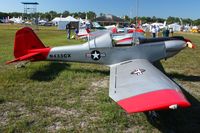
(138, 86)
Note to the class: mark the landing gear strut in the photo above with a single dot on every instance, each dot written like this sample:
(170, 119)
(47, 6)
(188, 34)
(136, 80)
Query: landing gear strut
(153, 116)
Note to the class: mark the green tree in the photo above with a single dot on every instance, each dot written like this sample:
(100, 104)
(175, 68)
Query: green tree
(171, 20)
(53, 14)
(102, 14)
(65, 13)
(3, 15)
(197, 22)
(126, 18)
(48, 16)
(154, 19)
(187, 21)
(91, 15)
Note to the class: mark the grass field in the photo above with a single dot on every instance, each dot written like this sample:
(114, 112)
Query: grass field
(73, 97)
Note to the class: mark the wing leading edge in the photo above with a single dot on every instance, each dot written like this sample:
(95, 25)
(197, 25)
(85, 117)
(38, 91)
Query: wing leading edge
(138, 86)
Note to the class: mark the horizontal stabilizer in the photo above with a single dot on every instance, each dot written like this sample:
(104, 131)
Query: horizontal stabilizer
(23, 58)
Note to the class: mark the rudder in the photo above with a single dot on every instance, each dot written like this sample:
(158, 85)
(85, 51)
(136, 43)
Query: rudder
(26, 39)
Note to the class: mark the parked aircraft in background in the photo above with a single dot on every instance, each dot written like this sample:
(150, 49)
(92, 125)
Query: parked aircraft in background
(160, 25)
(135, 84)
(125, 37)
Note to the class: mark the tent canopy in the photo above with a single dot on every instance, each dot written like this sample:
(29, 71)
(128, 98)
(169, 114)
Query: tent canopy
(62, 22)
(69, 19)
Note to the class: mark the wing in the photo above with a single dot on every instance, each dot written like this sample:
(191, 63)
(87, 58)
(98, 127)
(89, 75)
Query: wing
(138, 86)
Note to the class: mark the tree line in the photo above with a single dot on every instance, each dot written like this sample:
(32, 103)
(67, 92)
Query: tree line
(49, 15)
(92, 15)
(169, 20)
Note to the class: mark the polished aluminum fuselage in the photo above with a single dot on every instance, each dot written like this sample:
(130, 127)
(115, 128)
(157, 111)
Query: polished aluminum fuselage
(102, 50)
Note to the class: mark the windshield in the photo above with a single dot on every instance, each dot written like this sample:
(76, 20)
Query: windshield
(127, 39)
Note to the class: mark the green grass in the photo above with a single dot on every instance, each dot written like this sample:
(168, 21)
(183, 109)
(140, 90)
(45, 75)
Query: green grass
(73, 97)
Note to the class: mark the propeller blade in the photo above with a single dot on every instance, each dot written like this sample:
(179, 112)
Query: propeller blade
(190, 44)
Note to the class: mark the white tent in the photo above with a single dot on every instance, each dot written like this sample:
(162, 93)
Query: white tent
(57, 19)
(175, 27)
(17, 20)
(62, 22)
(71, 19)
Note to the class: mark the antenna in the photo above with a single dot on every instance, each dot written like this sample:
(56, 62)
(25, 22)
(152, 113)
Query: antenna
(30, 8)
(137, 4)
(181, 21)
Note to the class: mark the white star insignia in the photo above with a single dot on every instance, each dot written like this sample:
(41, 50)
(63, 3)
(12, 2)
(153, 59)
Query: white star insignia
(138, 72)
(95, 55)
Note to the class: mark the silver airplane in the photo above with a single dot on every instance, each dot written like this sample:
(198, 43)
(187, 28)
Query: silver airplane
(135, 84)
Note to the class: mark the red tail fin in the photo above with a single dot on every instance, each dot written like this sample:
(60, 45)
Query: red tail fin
(28, 46)
(26, 39)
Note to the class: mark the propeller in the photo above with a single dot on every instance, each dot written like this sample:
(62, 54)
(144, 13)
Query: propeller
(190, 44)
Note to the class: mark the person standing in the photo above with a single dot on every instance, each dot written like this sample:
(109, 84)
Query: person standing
(68, 30)
(164, 32)
(153, 31)
(157, 30)
(171, 31)
(167, 32)
(76, 31)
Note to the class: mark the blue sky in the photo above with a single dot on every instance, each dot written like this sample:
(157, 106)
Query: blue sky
(158, 8)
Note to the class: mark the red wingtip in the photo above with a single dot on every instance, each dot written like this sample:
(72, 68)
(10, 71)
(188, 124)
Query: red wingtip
(157, 100)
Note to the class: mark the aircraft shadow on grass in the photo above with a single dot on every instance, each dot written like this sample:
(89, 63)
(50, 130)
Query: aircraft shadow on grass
(49, 72)
(184, 77)
(52, 70)
(180, 120)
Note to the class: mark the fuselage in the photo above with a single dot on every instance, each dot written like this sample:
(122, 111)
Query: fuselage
(101, 53)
